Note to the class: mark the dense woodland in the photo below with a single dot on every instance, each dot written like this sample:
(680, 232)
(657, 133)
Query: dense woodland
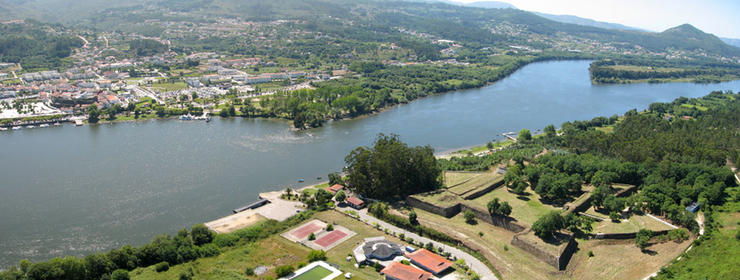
(34, 47)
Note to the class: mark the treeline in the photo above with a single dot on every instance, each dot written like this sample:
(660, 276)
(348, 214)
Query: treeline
(602, 73)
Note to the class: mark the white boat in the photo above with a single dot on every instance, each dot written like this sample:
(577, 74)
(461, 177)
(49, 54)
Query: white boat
(43, 125)
(17, 128)
(3, 128)
(187, 117)
(30, 126)
(57, 124)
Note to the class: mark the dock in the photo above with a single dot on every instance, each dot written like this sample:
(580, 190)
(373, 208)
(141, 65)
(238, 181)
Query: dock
(252, 205)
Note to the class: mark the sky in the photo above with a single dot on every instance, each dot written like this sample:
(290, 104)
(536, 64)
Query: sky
(719, 17)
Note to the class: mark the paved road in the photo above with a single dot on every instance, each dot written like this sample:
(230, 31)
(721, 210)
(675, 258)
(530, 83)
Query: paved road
(472, 262)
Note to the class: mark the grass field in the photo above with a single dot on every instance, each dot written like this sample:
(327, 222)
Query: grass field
(525, 209)
(715, 258)
(482, 180)
(634, 223)
(442, 198)
(165, 86)
(453, 178)
(315, 273)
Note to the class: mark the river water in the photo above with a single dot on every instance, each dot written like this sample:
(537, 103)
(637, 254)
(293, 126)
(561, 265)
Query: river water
(75, 190)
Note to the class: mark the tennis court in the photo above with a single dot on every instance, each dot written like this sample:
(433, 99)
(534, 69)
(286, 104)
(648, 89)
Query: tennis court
(330, 238)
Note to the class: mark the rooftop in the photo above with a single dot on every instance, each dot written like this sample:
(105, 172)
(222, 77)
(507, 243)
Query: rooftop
(430, 261)
(405, 272)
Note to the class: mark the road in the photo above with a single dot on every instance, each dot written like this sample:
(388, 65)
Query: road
(83, 39)
(475, 264)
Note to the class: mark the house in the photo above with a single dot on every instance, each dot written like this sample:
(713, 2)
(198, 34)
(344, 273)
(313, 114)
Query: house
(399, 271)
(693, 207)
(429, 261)
(355, 202)
(376, 248)
(335, 188)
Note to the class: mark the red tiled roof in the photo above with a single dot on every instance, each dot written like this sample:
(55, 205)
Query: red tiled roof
(431, 261)
(405, 272)
(335, 188)
(355, 201)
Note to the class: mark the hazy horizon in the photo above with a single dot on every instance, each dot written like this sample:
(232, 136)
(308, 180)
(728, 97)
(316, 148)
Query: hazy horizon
(718, 17)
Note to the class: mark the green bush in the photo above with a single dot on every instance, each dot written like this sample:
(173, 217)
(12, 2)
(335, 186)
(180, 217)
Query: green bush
(161, 267)
(316, 255)
(120, 274)
(284, 270)
(226, 240)
(249, 271)
(312, 236)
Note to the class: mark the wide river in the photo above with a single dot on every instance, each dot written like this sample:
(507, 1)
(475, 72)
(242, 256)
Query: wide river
(75, 190)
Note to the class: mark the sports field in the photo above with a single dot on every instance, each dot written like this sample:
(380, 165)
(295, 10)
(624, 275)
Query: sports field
(318, 272)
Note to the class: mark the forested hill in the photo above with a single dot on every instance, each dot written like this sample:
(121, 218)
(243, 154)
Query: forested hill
(460, 23)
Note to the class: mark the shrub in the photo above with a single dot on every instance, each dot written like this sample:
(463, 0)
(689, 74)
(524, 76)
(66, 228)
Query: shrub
(405, 262)
(329, 227)
(402, 237)
(312, 236)
(249, 271)
(316, 255)
(506, 248)
(480, 233)
(226, 240)
(120, 274)
(301, 264)
(590, 254)
(284, 270)
(377, 266)
(209, 250)
(614, 216)
(469, 216)
(185, 276)
(161, 267)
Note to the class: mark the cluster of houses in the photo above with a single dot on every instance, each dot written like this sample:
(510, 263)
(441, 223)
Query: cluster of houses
(423, 263)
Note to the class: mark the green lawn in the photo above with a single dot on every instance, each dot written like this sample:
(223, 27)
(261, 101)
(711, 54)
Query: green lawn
(315, 273)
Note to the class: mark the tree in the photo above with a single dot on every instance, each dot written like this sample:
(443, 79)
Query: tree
(550, 131)
(161, 111)
(548, 224)
(194, 95)
(232, 111)
(412, 217)
(505, 209)
(335, 178)
(201, 234)
(642, 239)
(312, 236)
(469, 216)
(224, 113)
(524, 135)
(93, 114)
(391, 169)
(341, 196)
(493, 206)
